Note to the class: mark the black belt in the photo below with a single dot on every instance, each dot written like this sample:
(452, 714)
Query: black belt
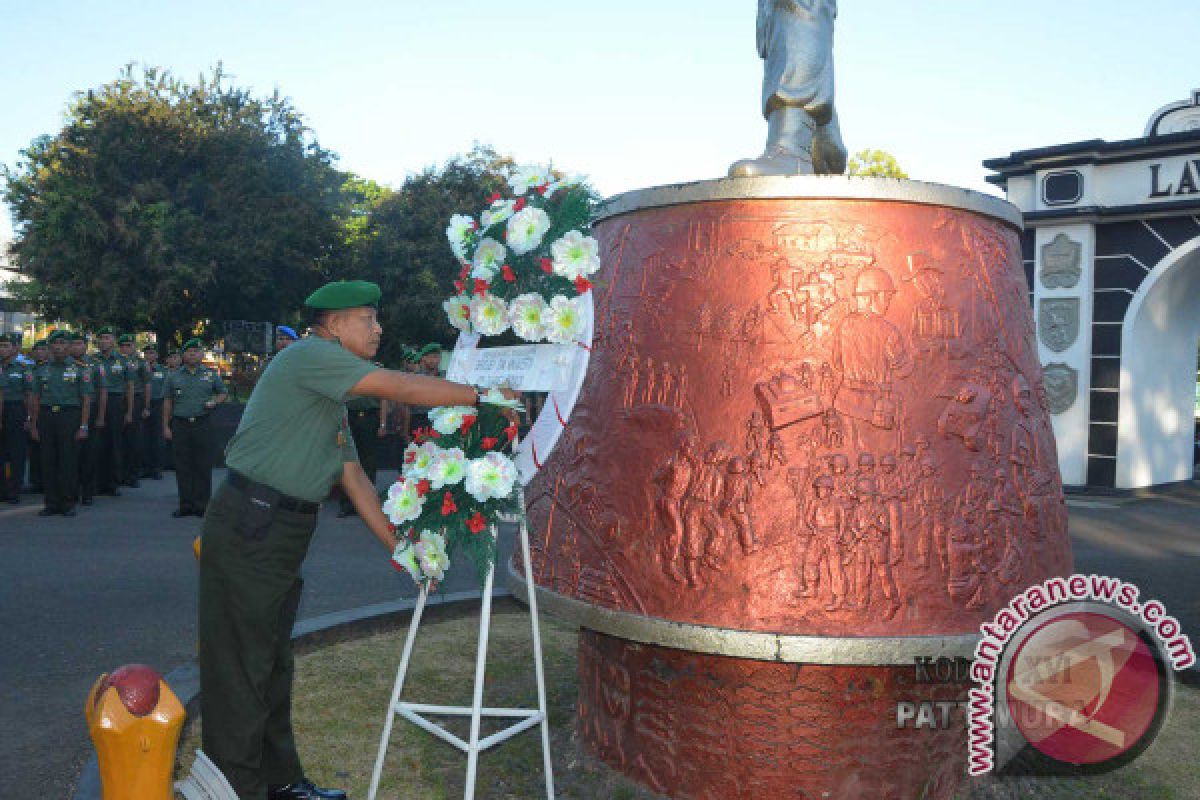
(57, 408)
(287, 503)
(199, 418)
(361, 414)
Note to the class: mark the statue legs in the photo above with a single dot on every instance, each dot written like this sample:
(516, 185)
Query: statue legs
(796, 145)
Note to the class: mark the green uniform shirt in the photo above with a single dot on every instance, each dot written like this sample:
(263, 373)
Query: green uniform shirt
(117, 372)
(62, 383)
(191, 388)
(357, 403)
(15, 379)
(294, 435)
(157, 378)
(137, 371)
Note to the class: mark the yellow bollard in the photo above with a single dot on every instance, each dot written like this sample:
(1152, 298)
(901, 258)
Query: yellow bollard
(134, 719)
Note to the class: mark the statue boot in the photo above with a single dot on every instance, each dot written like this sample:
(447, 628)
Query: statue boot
(796, 145)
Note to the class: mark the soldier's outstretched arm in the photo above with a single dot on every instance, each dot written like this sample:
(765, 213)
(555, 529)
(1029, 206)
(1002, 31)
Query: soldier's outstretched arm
(420, 390)
(365, 498)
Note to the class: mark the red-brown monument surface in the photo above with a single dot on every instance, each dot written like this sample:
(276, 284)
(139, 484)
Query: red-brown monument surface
(812, 446)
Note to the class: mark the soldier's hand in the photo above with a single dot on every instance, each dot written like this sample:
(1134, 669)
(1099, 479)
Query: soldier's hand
(167, 434)
(100, 422)
(33, 434)
(129, 419)
(382, 431)
(80, 435)
(145, 413)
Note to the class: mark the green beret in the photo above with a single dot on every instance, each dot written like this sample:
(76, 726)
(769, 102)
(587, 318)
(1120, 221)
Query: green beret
(190, 343)
(125, 338)
(106, 329)
(432, 347)
(344, 294)
(40, 343)
(57, 336)
(76, 336)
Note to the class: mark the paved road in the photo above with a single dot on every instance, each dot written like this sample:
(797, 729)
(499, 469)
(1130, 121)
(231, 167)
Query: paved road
(116, 585)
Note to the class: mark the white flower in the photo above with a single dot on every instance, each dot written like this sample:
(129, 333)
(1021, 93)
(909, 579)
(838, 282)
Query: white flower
(497, 213)
(431, 555)
(460, 232)
(565, 183)
(422, 460)
(489, 314)
(528, 176)
(448, 468)
(527, 315)
(458, 311)
(489, 257)
(565, 322)
(526, 229)
(494, 397)
(403, 504)
(575, 255)
(448, 419)
(489, 477)
(405, 555)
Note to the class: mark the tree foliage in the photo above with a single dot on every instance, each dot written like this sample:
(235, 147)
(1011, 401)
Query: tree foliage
(877, 163)
(163, 205)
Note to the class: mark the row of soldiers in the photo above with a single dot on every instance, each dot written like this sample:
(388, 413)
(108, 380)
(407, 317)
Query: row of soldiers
(88, 423)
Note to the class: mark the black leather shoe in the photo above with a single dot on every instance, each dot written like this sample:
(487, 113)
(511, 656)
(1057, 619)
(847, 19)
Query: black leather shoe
(12, 501)
(111, 493)
(304, 790)
(179, 512)
(87, 501)
(70, 512)
(47, 512)
(131, 484)
(156, 476)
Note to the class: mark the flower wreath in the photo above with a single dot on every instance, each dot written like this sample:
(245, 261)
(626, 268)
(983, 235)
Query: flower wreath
(456, 479)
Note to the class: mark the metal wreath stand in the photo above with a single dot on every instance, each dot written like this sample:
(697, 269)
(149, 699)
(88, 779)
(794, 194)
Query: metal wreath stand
(540, 440)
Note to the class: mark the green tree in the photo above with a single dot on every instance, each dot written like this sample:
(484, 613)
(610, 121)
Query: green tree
(403, 245)
(163, 205)
(877, 163)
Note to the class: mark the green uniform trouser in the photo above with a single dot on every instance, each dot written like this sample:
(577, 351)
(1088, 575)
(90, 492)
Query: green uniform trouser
(152, 441)
(60, 456)
(192, 452)
(364, 427)
(249, 593)
(110, 455)
(131, 445)
(35, 465)
(12, 450)
(89, 450)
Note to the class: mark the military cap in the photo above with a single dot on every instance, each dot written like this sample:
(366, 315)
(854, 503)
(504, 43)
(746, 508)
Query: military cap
(344, 294)
(76, 336)
(57, 336)
(40, 343)
(106, 329)
(190, 343)
(432, 347)
(125, 338)
(149, 346)
(284, 330)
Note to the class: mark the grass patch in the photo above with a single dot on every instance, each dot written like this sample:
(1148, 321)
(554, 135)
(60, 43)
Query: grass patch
(342, 689)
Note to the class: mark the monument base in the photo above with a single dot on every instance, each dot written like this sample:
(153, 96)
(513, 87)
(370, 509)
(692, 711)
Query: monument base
(692, 725)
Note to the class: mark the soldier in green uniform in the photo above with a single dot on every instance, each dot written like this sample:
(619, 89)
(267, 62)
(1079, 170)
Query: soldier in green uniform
(16, 383)
(40, 353)
(190, 393)
(173, 362)
(89, 447)
(61, 399)
(118, 414)
(131, 434)
(154, 376)
(292, 445)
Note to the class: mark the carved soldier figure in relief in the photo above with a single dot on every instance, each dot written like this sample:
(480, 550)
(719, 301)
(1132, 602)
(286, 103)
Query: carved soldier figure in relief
(666, 385)
(673, 477)
(703, 531)
(870, 523)
(1004, 515)
(735, 503)
(826, 520)
(776, 456)
(795, 39)
(631, 381)
(894, 495)
(930, 505)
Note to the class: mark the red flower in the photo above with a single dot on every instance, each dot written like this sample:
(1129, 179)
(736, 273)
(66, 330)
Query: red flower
(411, 456)
(459, 286)
(582, 285)
(547, 265)
(476, 522)
(481, 286)
(495, 198)
(489, 442)
(518, 204)
(466, 270)
(511, 431)
(448, 506)
(542, 189)
(467, 422)
(507, 273)
(423, 487)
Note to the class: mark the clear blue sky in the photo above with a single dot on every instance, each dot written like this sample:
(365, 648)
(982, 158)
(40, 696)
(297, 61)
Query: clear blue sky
(630, 92)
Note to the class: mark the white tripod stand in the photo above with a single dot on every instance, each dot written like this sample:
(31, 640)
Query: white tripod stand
(476, 711)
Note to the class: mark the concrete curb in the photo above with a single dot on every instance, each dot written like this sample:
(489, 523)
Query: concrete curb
(308, 635)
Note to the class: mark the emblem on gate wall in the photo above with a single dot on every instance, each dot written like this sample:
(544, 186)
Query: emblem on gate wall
(1062, 386)
(1061, 262)
(1058, 322)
